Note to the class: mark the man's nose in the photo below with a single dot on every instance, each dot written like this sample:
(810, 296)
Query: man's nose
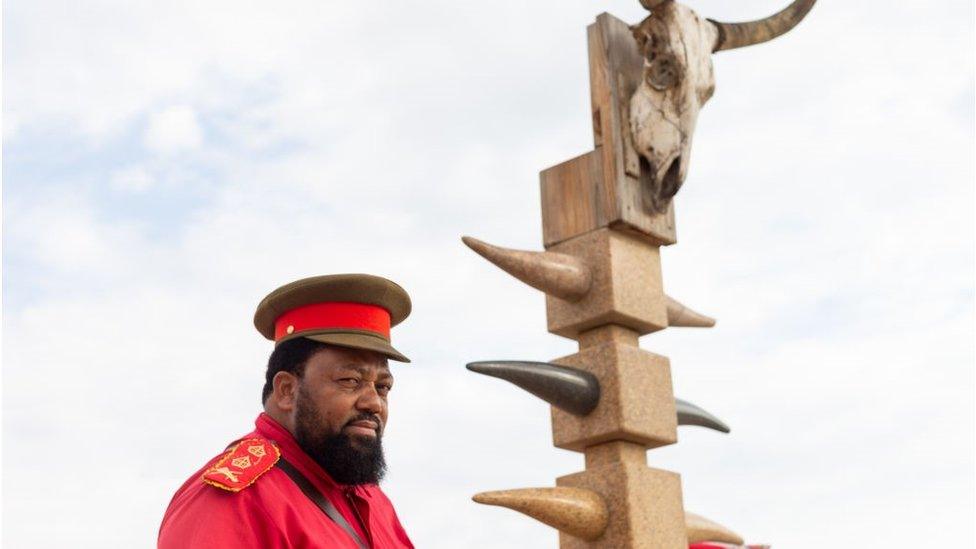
(369, 399)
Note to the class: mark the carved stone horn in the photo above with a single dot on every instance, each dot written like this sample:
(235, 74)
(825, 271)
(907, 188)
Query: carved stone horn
(577, 511)
(701, 529)
(573, 390)
(561, 275)
(680, 315)
(737, 35)
(689, 414)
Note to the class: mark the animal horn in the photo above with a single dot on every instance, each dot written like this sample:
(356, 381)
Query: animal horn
(689, 414)
(560, 275)
(701, 529)
(680, 315)
(573, 390)
(651, 4)
(576, 511)
(738, 35)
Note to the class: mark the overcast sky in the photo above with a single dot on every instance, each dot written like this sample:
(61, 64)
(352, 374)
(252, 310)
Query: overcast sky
(167, 164)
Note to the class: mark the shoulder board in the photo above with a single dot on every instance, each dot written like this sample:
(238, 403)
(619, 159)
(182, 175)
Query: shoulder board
(241, 465)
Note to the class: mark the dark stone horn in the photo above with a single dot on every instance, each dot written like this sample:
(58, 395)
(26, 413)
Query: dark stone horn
(573, 390)
(689, 414)
(738, 35)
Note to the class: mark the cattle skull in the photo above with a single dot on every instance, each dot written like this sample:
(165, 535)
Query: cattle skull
(677, 79)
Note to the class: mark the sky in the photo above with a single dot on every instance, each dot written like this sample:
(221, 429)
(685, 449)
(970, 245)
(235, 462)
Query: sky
(165, 165)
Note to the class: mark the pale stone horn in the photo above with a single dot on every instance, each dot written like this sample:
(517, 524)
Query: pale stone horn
(681, 315)
(576, 511)
(737, 35)
(561, 275)
(566, 277)
(701, 529)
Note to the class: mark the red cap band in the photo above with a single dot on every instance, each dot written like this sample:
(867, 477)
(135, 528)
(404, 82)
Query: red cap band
(336, 315)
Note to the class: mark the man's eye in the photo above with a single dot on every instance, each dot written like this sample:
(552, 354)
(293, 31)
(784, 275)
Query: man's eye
(384, 388)
(349, 381)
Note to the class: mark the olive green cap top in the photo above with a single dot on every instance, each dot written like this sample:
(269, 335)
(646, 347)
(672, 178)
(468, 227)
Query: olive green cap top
(348, 310)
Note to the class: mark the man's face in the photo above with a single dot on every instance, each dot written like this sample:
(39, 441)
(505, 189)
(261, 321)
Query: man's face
(341, 410)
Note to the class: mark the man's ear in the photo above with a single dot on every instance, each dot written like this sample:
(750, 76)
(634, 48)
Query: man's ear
(284, 391)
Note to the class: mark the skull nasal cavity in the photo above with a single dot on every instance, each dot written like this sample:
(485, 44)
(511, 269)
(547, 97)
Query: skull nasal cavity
(672, 180)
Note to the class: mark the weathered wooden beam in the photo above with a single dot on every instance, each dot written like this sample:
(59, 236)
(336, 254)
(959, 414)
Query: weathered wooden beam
(608, 186)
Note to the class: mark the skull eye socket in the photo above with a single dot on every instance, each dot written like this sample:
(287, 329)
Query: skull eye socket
(663, 72)
(650, 47)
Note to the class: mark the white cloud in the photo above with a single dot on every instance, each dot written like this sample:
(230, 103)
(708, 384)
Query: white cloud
(64, 235)
(173, 129)
(132, 179)
(10, 127)
(827, 223)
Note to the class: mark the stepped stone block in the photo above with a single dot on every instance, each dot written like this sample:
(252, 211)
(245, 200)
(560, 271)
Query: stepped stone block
(636, 399)
(626, 286)
(645, 503)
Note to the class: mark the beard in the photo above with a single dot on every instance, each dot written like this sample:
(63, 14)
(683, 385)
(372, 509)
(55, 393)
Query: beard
(350, 460)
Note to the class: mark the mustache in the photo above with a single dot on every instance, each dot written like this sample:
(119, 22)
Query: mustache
(366, 417)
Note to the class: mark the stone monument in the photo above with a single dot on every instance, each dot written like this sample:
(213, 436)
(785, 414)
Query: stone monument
(605, 215)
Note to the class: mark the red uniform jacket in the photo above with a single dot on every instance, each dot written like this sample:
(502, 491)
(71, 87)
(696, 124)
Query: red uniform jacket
(273, 512)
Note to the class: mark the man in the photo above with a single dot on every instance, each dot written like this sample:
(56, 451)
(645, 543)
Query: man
(307, 475)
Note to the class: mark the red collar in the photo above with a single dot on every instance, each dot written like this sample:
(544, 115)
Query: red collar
(270, 429)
